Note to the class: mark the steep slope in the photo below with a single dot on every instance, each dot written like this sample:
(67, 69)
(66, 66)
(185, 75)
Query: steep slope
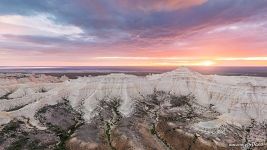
(239, 98)
(121, 107)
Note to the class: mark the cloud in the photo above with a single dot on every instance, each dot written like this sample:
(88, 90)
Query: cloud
(36, 39)
(130, 27)
(39, 24)
(245, 58)
(159, 5)
(110, 16)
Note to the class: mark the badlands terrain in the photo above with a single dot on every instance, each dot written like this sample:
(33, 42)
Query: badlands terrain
(177, 110)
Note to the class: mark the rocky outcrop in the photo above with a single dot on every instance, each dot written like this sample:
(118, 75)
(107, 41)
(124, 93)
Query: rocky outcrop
(180, 109)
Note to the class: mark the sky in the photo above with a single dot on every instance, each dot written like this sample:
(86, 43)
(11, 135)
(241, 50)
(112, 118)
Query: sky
(133, 33)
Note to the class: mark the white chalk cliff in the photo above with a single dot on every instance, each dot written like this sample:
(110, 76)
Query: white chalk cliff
(237, 98)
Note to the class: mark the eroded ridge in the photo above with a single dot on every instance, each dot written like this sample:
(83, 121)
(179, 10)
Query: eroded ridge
(180, 109)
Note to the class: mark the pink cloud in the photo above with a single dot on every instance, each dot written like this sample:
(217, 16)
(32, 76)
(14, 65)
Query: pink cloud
(159, 5)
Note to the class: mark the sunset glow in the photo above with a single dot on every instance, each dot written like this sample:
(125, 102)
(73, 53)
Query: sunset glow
(207, 63)
(133, 33)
